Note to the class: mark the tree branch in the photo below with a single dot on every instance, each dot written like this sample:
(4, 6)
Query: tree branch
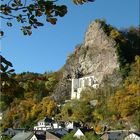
(7, 18)
(16, 9)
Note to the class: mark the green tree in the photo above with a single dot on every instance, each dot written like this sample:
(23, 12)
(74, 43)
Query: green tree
(69, 137)
(91, 136)
(5, 138)
(77, 110)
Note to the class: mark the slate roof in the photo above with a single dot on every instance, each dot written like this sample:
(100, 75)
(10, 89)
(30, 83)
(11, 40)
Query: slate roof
(137, 133)
(40, 136)
(58, 132)
(116, 134)
(23, 136)
(61, 131)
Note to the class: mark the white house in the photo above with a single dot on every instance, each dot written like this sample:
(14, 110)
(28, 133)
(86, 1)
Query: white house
(79, 84)
(133, 136)
(46, 124)
(79, 134)
(70, 125)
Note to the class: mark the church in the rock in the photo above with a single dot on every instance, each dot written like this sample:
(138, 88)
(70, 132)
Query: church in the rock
(79, 84)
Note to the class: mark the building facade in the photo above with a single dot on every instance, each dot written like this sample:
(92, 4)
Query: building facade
(79, 84)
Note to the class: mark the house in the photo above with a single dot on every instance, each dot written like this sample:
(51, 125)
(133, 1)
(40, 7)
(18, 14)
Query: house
(50, 134)
(79, 134)
(79, 84)
(71, 125)
(46, 124)
(25, 136)
(115, 135)
(11, 132)
(133, 136)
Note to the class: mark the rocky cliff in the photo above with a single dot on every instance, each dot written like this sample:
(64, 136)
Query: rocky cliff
(95, 56)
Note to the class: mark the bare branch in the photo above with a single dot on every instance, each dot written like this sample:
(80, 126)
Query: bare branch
(16, 9)
(7, 18)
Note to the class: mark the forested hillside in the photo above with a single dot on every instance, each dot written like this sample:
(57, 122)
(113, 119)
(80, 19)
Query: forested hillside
(29, 97)
(26, 98)
(113, 107)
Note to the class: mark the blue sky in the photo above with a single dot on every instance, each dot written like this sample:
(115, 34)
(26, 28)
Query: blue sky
(48, 47)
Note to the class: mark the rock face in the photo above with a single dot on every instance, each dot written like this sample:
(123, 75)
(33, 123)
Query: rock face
(96, 56)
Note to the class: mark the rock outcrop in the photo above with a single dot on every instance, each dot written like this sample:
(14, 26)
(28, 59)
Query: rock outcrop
(95, 56)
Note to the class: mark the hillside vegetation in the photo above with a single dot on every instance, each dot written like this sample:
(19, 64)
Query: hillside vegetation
(29, 97)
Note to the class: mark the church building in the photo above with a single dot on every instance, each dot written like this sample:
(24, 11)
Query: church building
(79, 84)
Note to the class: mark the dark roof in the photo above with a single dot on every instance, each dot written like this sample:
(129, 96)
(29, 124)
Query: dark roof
(58, 132)
(39, 132)
(12, 132)
(61, 131)
(85, 130)
(41, 136)
(116, 134)
(55, 132)
(136, 133)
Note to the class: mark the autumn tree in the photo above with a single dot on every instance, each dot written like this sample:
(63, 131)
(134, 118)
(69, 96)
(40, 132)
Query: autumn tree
(33, 14)
(126, 99)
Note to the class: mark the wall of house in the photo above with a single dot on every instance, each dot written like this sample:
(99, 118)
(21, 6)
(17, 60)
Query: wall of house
(69, 125)
(43, 127)
(41, 123)
(33, 138)
(78, 134)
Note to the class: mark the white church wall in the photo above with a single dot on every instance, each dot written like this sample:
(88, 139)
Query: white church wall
(79, 84)
(75, 85)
